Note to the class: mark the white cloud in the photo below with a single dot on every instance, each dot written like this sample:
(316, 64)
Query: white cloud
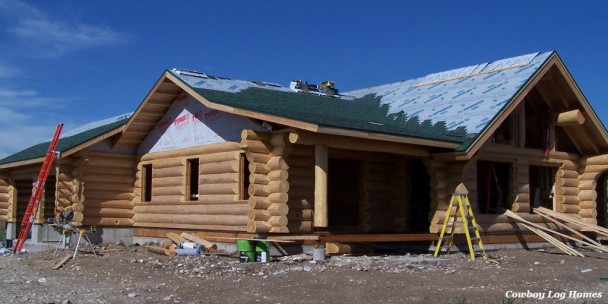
(7, 71)
(46, 36)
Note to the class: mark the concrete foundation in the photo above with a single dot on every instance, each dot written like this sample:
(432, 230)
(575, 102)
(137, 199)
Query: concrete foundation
(11, 231)
(112, 235)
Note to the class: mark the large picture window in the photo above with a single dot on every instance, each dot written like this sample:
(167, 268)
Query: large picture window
(494, 186)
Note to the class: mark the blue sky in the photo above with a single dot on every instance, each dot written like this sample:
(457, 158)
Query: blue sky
(79, 61)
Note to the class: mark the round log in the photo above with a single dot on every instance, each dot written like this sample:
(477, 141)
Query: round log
(591, 221)
(220, 157)
(588, 213)
(257, 157)
(197, 208)
(219, 178)
(258, 179)
(120, 204)
(77, 207)
(261, 202)
(255, 135)
(521, 207)
(259, 168)
(568, 182)
(111, 162)
(197, 150)
(587, 195)
(168, 172)
(173, 199)
(568, 200)
(595, 168)
(117, 187)
(271, 187)
(588, 205)
(570, 209)
(595, 160)
(168, 191)
(569, 191)
(567, 173)
(255, 146)
(228, 166)
(587, 185)
(277, 163)
(218, 199)
(108, 212)
(219, 189)
(522, 198)
(278, 175)
(193, 219)
(573, 117)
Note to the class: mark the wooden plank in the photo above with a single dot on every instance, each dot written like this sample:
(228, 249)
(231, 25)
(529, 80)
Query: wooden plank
(62, 261)
(198, 240)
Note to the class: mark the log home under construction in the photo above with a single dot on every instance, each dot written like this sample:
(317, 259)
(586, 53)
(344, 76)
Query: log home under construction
(229, 158)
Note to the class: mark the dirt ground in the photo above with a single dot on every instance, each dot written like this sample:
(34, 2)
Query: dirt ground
(135, 275)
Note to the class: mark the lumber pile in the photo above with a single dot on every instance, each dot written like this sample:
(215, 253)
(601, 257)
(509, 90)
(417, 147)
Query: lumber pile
(560, 220)
(268, 185)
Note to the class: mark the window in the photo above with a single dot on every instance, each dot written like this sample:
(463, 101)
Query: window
(494, 187)
(146, 185)
(192, 180)
(245, 173)
(542, 181)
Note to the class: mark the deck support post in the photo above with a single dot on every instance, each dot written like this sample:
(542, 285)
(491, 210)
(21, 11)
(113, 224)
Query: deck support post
(320, 213)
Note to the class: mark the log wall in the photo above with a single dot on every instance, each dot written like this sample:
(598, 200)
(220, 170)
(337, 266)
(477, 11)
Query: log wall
(385, 198)
(590, 170)
(103, 188)
(219, 205)
(268, 181)
(301, 179)
(7, 192)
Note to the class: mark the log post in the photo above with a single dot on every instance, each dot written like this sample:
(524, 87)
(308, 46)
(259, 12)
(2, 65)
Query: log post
(321, 164)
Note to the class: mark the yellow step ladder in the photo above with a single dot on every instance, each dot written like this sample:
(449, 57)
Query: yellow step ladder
(460, 208)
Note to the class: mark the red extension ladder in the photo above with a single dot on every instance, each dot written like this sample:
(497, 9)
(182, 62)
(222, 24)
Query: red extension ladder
(28, 218)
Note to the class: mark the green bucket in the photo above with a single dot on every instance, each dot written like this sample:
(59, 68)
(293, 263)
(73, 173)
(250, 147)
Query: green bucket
(261, 251)
(246, 251)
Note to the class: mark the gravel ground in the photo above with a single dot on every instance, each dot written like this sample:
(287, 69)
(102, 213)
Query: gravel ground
(135, 275)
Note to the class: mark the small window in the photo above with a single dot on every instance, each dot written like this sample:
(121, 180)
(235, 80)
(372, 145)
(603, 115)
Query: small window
(494, 185)
(192, 180)
(147, 183)
(542, 191)
(245, 173)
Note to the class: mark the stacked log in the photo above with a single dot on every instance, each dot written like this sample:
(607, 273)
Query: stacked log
(7, 192)
(66, 184)
(218, 207)
(520, 186)
(384, 196)
(103, 191)
(301, 188)
(268, 185)
(439, 193)
(591, 169)
(566, 188)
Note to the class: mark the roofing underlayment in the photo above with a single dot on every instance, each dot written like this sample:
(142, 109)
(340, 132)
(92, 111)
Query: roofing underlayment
(453, 106)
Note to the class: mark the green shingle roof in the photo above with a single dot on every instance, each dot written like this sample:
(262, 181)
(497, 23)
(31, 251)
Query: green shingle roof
(64, 144)
(361, 114)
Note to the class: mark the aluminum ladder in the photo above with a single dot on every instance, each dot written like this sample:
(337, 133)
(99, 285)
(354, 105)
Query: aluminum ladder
(37, 190)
